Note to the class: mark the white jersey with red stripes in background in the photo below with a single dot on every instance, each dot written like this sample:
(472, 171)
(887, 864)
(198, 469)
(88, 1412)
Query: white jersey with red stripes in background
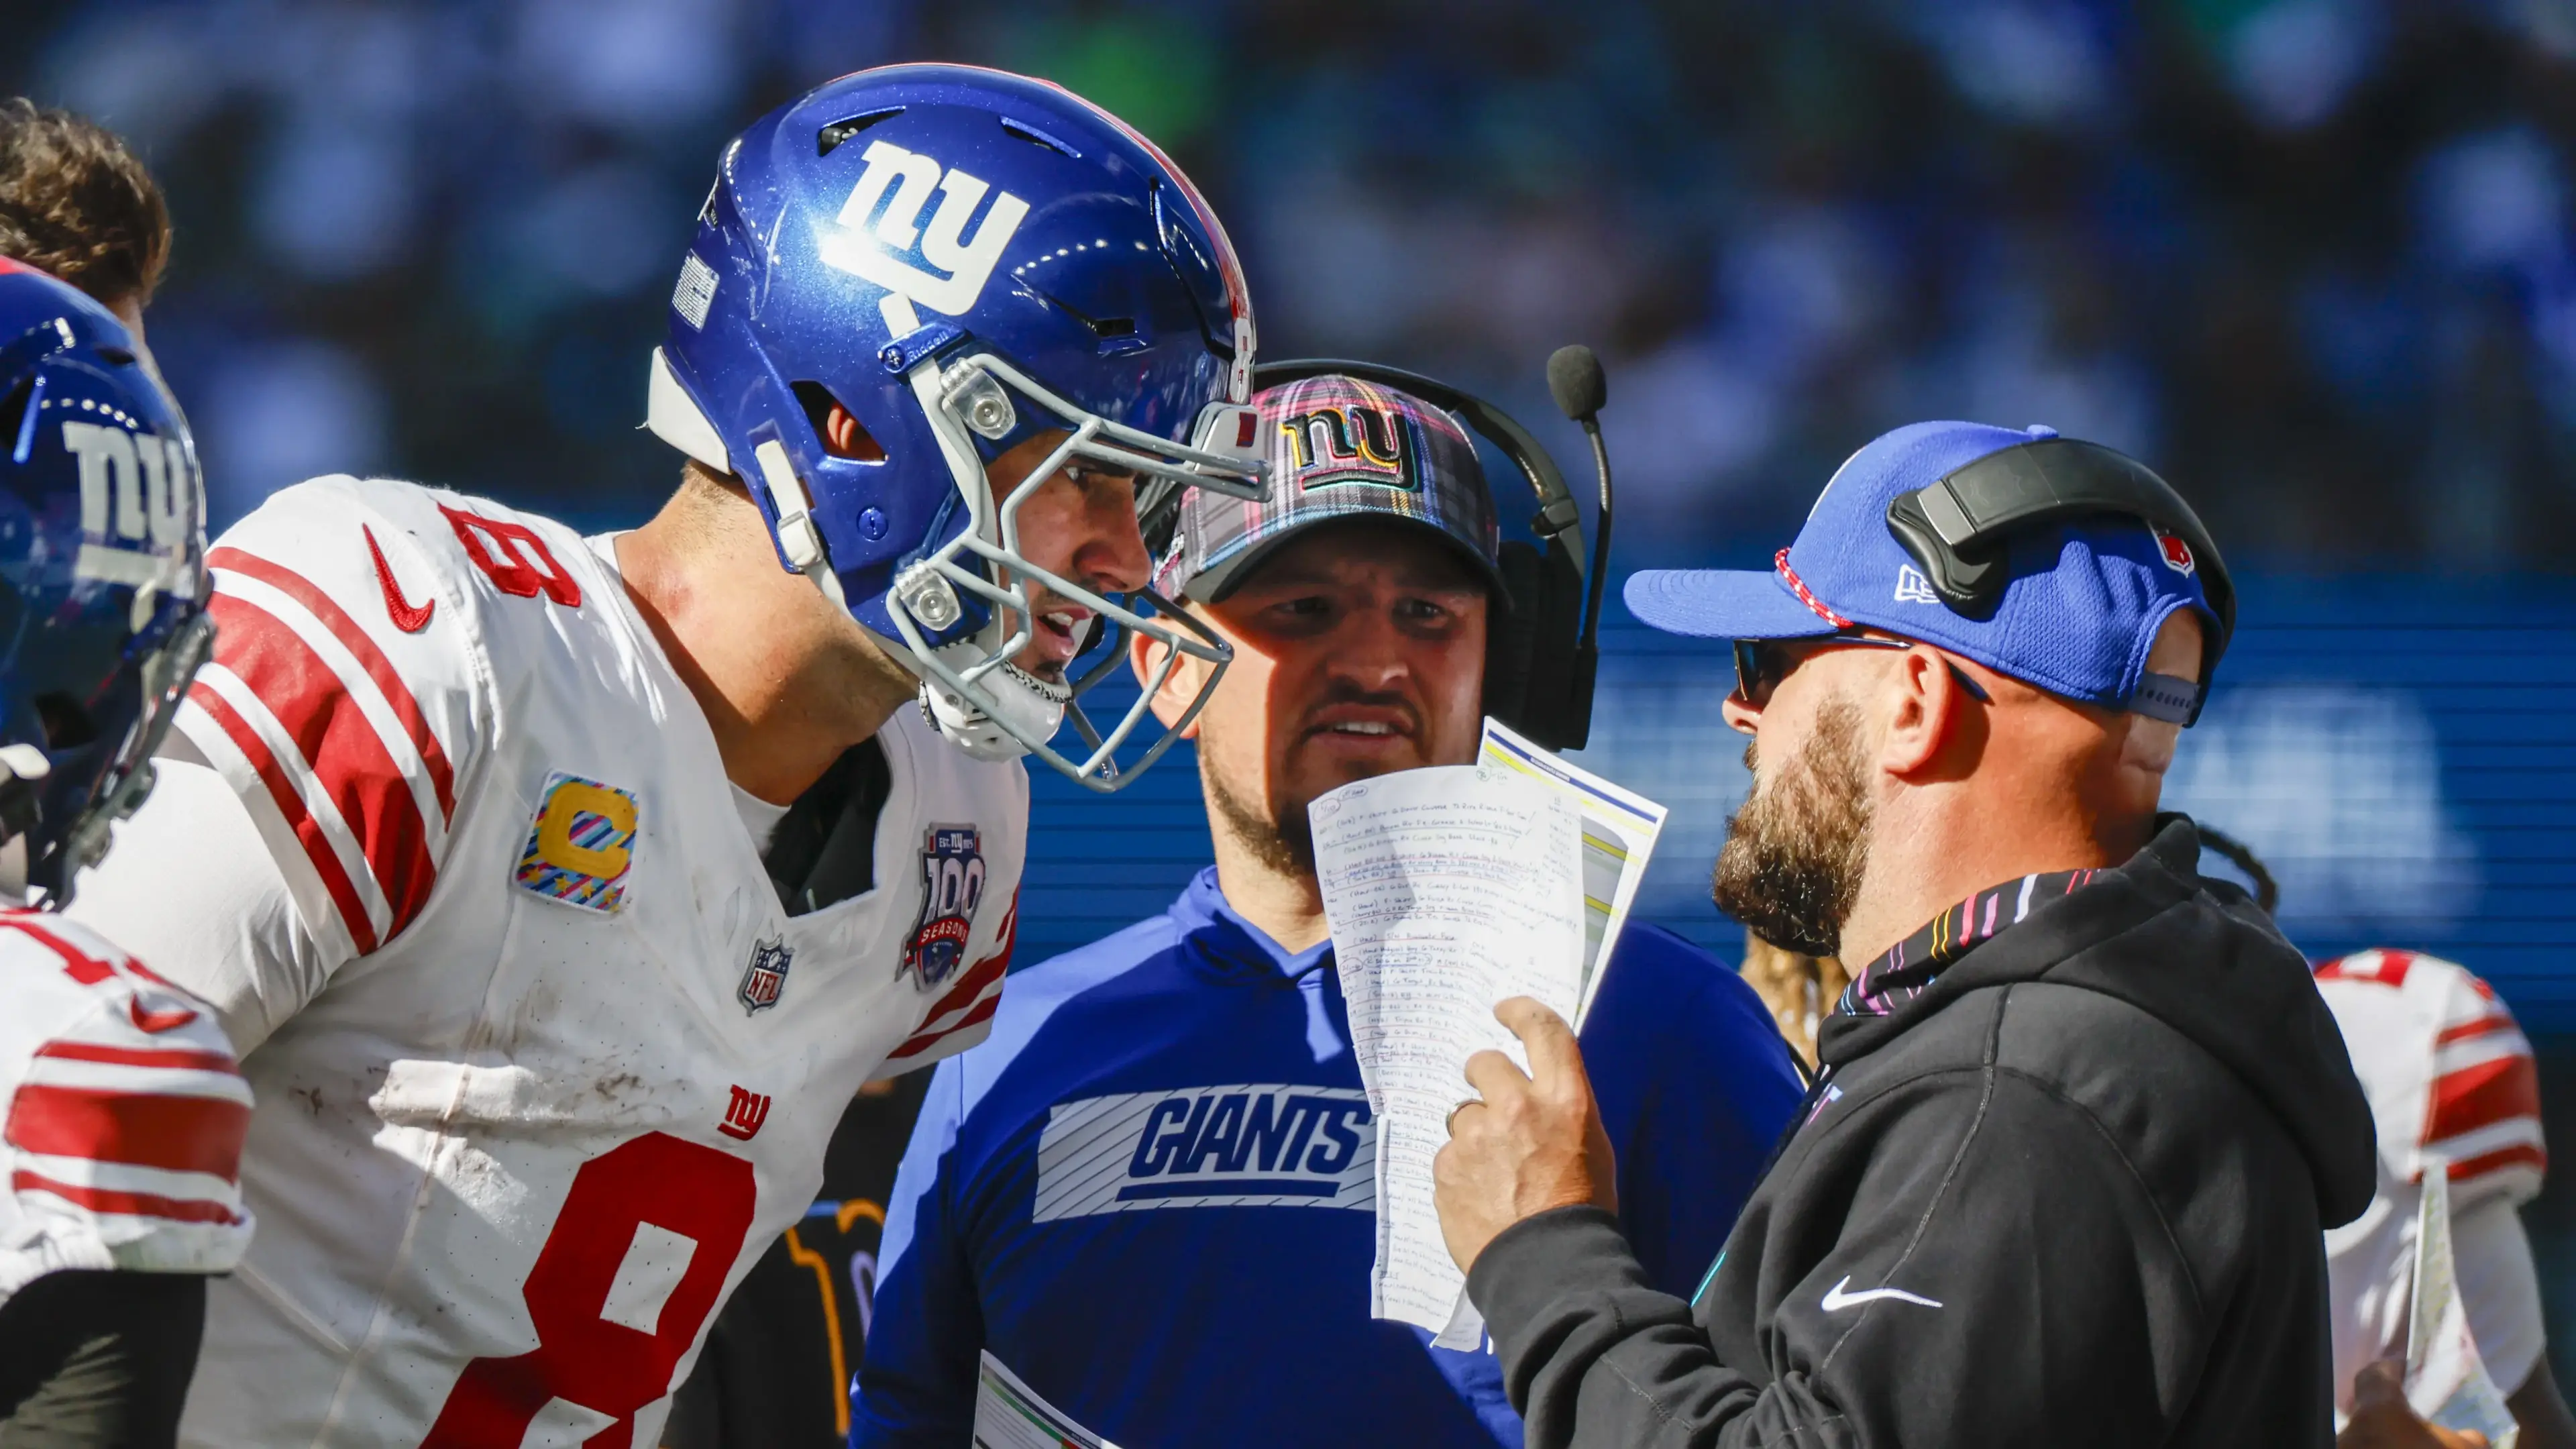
(2450, 1077)
(121, 1114)
(543, 1063)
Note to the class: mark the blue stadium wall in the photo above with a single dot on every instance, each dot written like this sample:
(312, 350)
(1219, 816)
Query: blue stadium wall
(2397, 750)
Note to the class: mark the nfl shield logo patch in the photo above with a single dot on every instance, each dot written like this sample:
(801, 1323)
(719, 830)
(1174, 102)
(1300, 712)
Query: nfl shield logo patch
(765, 977)
(952, 885)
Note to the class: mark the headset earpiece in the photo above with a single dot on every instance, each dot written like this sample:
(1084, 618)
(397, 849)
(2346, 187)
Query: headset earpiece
(1547, 591)
(1511, 632)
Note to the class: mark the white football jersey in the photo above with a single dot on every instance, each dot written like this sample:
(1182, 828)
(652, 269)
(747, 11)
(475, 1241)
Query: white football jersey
(121, 1114)
(544, 1064)
(2448, 1075)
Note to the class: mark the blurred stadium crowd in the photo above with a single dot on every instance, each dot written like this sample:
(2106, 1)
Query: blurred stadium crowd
(2311, 257)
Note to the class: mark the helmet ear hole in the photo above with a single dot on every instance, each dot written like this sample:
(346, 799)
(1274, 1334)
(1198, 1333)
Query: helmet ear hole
(13, 411)
(67, 725)
(839, 431)
(830, 137)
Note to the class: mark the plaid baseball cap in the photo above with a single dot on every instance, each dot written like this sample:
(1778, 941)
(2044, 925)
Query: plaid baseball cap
(2083, 605)
(1339, 448)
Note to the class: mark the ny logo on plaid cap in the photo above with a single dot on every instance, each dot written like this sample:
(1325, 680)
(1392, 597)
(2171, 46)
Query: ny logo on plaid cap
(1350, 443)
(1339, 447)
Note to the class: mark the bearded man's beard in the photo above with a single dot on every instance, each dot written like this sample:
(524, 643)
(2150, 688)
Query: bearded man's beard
(1791, 867)
(1285, 845)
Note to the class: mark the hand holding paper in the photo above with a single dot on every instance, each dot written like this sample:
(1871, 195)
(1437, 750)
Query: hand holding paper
(1530, 1144)
(2382, 1419)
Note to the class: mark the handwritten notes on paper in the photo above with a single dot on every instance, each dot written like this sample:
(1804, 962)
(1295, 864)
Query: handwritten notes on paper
(1451, 890)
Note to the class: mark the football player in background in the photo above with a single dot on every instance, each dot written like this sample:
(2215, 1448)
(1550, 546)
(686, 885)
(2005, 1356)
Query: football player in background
(2448, 1075)
(75, 202)
(499, 850)
(1149, 1197)
(121, 1110)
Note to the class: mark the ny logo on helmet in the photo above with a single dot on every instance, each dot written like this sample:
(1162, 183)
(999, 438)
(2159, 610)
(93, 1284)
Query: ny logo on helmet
(901, 182)
(135, 487)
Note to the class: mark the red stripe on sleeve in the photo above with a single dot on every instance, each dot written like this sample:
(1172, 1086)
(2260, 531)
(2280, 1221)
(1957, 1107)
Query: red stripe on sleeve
(334, 735)
(2388, 968)
(2521, 1154)
(131, 1204)
(2482, 1095)
(2483, 1026)
(370, 658)
(1002, 949)
(992, 968)
(985, 975)
(176, 1059)
(917, 1045)
(79, 965)
(139, 1129)
(317, 846)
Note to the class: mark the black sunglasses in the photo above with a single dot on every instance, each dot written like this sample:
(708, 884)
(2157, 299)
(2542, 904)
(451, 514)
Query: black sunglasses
(1760, 664)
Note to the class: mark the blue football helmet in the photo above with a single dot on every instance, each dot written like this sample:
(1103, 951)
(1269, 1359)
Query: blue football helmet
(902, 275)
(102, 577)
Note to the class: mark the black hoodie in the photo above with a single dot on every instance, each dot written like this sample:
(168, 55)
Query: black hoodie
(2070, 1194)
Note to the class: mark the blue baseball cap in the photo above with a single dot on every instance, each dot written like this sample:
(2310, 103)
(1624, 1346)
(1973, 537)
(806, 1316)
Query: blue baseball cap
(2082, 600)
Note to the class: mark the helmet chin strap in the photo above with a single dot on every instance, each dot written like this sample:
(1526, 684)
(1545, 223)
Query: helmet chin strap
(1031, 703)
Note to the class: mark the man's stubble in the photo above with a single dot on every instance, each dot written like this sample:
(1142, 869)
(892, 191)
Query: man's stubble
(1283, 843)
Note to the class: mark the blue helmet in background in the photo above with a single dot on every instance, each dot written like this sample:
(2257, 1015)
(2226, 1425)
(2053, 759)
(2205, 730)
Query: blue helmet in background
(909, 271)
(102, 576)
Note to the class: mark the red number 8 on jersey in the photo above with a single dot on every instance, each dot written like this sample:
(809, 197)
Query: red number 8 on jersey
(582, 1356)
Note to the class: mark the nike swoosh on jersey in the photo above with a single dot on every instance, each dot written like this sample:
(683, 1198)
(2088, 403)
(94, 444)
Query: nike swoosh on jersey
(1836, 1299)
(407, 617)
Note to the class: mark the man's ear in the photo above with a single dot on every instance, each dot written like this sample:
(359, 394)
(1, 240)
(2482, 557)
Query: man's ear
(1145, 655)
(1925, 710)
(2147, 746)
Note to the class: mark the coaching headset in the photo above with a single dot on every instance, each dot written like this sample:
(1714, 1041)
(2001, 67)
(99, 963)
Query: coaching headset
(1958, 529)
(1542, 649)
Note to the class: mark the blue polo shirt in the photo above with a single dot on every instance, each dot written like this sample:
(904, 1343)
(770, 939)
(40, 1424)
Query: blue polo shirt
(1149, 1193)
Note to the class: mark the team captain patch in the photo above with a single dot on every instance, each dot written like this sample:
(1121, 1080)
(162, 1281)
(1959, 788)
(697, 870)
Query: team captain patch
(952, 885)
(581, 844)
